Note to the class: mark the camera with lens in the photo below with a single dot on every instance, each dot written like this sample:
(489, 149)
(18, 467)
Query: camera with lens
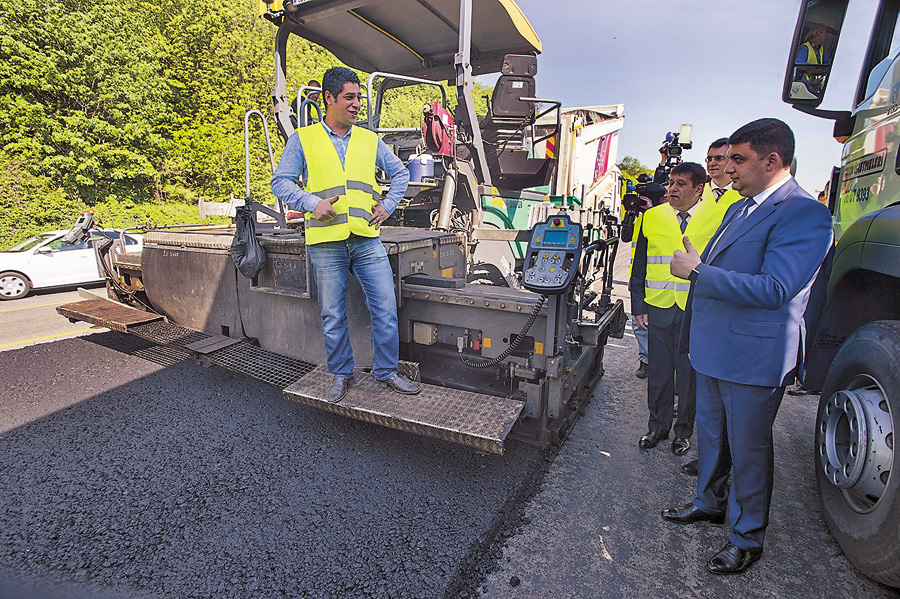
(635, 203)
(675, 144)
(672, 148)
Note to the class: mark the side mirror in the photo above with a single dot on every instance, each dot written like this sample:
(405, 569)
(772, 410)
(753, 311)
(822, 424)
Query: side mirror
(44, 249)
(812, 51)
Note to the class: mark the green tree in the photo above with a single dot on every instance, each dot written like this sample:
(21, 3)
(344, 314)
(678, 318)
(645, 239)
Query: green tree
(131, 106)
(80, 102)
(632, 167)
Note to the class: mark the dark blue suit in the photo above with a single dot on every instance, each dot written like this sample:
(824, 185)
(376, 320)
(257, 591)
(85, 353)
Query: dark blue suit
(744, 328)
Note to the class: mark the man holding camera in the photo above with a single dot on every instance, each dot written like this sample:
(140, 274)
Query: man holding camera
(658, 299)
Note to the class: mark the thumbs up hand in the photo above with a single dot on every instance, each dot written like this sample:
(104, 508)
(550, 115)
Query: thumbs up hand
(684, 262)
(324, 210)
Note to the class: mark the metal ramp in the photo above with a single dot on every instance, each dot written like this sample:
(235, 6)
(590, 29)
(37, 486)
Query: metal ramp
(472, 419)
(107, 313)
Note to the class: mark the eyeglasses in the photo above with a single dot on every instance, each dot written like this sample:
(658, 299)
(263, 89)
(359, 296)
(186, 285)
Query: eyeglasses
(717, 158)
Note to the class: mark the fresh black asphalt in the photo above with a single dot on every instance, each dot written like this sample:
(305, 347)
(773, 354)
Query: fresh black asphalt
(123, 478)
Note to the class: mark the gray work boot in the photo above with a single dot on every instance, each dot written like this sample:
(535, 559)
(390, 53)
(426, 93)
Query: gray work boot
(401, 384)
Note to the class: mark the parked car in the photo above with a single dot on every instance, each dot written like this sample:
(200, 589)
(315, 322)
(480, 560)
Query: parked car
(45, 261)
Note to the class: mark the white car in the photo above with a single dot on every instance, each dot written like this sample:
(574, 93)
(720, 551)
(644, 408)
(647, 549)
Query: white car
(45, 261)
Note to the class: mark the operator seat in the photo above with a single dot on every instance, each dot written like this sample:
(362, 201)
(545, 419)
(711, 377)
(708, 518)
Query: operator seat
(506, 124)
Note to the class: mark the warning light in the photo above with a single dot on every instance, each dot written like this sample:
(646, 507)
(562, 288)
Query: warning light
(556, 222)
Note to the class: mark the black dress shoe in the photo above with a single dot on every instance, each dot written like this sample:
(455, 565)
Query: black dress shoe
(799, 391)
(732, 560)
(643, 370)
(652, 439)
(338, 391)
(690, 468)
(689, 513)
(681, 445)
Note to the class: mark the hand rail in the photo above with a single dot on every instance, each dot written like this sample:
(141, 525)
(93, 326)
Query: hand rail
(256, 206)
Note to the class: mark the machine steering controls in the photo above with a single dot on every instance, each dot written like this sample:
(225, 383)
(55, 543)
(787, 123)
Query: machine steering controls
(553, 255)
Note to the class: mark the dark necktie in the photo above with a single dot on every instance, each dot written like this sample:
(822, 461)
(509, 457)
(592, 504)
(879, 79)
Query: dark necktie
(745, 210)
(683, 216)
(719, 191)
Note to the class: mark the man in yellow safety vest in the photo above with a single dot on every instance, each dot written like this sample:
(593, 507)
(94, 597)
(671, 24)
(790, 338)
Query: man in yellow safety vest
(658, 300)
(343, 212)
(719, 187)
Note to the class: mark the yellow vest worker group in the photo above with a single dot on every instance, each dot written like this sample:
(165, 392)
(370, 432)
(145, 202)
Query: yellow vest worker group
(354, 183)
(660, 225)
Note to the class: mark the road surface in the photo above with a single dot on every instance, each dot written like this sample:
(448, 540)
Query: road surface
(127, 473)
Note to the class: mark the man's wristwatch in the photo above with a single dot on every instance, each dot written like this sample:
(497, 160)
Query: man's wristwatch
(694, 274)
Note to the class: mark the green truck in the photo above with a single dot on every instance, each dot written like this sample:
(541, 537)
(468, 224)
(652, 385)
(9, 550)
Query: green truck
(854, 358)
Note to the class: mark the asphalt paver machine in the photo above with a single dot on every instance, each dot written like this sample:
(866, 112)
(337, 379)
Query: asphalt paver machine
(517, 354)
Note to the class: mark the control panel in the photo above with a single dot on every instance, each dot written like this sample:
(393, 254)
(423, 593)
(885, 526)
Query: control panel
(552, 257)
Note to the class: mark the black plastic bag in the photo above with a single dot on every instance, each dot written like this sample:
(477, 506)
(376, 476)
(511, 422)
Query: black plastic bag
(248, 255)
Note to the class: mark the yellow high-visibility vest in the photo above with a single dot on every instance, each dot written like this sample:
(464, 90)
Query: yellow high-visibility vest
(728, 198)
(812, 56)
(661, 228)
(354, 183)
(634, 237)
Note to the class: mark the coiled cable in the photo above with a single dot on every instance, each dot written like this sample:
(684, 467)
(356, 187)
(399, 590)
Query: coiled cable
(512, 346)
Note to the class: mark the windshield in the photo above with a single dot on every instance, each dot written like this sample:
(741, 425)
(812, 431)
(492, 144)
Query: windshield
(30, 243)
(880, 70)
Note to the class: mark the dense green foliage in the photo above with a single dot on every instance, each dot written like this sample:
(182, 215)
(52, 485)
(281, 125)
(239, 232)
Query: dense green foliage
(133, 107)
(117, 105)
(632, 167)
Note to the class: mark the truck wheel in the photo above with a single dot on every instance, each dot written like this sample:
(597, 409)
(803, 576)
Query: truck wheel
(13, 285)
(855, 461)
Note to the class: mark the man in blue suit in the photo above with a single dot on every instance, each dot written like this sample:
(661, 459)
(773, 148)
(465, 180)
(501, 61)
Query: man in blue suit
(744, 329)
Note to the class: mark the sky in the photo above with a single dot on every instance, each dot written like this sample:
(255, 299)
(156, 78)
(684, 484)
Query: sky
(714, 64)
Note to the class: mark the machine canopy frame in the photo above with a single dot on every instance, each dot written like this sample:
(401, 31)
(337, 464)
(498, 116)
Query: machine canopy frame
(418, 38)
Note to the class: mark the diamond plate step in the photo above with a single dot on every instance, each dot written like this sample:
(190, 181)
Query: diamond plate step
(107, 313)
(471, 419)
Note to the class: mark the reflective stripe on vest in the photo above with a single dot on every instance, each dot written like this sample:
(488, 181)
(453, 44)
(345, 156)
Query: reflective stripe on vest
(668, 286)
(661, 228)
(354, 184)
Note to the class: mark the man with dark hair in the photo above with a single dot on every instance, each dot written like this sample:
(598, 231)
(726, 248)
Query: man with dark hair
(313, 94)
(719, 186)
(744, 329)
(719, 192)
(658, 299)
(344, 210)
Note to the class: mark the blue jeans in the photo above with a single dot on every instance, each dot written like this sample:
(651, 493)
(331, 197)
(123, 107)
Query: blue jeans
(641, 335)
(365, 257)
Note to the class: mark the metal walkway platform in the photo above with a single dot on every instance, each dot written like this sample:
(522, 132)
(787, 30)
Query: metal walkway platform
(107, 313)
(472, 419)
